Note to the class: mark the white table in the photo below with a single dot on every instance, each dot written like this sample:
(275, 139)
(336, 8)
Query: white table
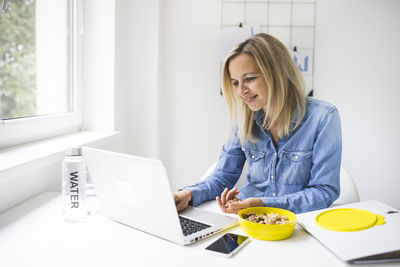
(34, 234)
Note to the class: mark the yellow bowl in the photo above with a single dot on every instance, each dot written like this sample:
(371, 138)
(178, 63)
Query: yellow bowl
(267, 231)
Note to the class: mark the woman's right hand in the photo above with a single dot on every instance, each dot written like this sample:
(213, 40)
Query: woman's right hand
(226, 197)
(230, 204)
(182, 199)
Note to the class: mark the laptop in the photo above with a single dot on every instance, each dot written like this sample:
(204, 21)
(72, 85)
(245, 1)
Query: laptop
(378, 244)
(135, 191)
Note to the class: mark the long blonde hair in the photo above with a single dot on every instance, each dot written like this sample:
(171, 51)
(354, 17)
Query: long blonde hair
(285, 85)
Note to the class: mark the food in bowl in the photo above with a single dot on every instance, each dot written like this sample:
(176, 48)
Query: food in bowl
(270, 218)
(267, 231)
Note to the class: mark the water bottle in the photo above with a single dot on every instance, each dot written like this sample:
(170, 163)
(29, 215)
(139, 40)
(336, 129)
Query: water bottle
(74, 185)
(91, 196)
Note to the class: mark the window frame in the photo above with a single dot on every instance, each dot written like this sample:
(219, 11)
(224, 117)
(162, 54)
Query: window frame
(24, 130)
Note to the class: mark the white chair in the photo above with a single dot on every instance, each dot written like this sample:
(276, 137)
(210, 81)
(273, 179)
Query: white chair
(348, 189)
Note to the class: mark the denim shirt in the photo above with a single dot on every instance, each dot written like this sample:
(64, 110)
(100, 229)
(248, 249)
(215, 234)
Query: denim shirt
(300, 174)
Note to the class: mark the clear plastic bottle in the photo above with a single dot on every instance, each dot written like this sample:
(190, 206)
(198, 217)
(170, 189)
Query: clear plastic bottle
(91, 196)
(74, 185)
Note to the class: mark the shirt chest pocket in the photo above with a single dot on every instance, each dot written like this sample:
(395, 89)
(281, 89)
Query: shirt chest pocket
(256, 162)
(296, 166)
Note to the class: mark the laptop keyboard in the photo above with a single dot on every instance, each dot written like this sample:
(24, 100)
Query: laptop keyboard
(190, 226)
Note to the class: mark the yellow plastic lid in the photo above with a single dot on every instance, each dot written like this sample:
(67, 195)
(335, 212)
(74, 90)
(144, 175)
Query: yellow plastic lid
(347, 220)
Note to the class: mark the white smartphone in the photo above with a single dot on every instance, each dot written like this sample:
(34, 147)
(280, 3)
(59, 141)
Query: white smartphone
(228, 244)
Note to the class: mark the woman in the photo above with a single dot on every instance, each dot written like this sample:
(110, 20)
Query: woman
(292, 143)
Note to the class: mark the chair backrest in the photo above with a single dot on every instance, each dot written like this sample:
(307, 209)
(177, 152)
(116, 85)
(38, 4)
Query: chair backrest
(348, 189)
(208, 171)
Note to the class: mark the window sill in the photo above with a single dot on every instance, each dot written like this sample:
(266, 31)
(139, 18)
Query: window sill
(30, 169)
(23, 154)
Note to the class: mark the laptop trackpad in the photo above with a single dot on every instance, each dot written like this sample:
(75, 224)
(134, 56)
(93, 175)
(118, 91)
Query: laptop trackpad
(207, 217)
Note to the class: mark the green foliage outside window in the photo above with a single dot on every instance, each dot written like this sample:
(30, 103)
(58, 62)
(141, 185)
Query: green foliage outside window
(17, 60)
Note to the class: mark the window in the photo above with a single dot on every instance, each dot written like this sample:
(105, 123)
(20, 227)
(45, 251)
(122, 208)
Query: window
(39, 60)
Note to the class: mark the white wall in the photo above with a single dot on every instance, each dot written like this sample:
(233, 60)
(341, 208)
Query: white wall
(193, 116)
(357, 68)
(98, 65)
(136, 73)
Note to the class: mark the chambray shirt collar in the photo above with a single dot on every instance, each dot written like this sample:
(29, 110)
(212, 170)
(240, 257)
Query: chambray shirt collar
(260, 114)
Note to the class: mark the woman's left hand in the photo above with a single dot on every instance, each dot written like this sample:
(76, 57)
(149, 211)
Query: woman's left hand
(235, 206)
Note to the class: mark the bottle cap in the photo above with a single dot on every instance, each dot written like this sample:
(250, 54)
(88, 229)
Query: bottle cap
(73, 151)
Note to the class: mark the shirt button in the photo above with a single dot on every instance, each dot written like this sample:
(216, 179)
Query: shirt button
(273, 194)
(272, 177)
(296, 157)
(252, 156)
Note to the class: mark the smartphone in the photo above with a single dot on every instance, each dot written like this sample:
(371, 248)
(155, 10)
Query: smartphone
(228, 244)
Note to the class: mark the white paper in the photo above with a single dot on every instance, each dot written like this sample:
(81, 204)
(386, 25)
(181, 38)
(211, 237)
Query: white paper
(232, 36)
(303, 60)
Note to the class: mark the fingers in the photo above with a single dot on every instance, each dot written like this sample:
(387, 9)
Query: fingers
(181, 199)
(232, 193)
(224, 199)
(178, 197)
(238, 205)
(228, 206)
(235, 207)
(223, 195)
(181, 205)
(178, 201)
(223, 206)
(220, 204)
(228, 194)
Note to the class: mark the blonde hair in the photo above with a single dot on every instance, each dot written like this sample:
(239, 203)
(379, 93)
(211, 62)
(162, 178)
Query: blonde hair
(284, 81)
